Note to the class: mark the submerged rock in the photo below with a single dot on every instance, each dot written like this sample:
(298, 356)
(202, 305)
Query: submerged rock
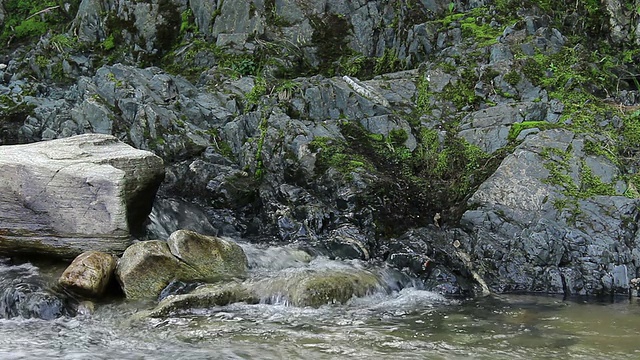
(205, 296)
(89, 274)
(25, 294)
(147, 267)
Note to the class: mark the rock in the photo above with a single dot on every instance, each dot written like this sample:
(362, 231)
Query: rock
(63, 197)
(533, 233)
(489, 128)
(23, 293)
(169, 215)
(296, 287)
(347, 242)
(212, 257)
(315, 288)
(147, 267)
(203, 297)
(89, 274)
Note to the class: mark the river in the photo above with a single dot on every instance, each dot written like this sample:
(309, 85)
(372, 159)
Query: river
(401, 323)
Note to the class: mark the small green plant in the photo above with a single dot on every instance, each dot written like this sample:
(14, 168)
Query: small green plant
(516, 128)
(423, 96)
(388, 63)
(63, 42)
(512, 78)
(187, 22)
(257, 92)
(108, 43)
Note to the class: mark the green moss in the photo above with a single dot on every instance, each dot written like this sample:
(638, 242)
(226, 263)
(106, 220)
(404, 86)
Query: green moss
(474, 26)
(589, 185)
(26, 19)
(109, 43)
(517, 128)
(512, 78)
(461, 93)
(592, 185)
(334, 153)
(631, 131)
(423, 96)
(388, 63)
(187, 24)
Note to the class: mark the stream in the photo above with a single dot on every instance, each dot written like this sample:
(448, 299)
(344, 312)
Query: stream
(400, 321)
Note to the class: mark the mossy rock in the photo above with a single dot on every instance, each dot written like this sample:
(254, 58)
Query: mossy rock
(213, 258)
(203, 297)
(317, 288)
(147, 267)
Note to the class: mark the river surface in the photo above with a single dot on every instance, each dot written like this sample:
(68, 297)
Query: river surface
(406, 323)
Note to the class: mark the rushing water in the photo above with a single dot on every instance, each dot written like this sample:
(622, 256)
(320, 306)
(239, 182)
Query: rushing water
(406, 323)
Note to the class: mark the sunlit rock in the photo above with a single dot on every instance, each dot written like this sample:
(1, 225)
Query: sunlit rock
(63, 197)
(89, 274)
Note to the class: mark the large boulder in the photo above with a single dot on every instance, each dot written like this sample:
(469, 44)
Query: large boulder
(317, 287)
(89, 274)
(67, 196)
(550, 219)
(147, 267)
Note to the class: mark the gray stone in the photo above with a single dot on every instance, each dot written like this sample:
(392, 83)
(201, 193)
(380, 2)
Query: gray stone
(530, 235)
(67, 196)
(237, 17)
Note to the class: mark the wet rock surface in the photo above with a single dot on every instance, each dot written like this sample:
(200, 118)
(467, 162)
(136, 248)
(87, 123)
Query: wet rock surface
(89, 274)
(24, 293)
(147, 267)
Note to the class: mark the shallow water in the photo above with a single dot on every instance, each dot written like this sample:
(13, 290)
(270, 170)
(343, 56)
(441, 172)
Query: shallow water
(409, 324)
(406, 323)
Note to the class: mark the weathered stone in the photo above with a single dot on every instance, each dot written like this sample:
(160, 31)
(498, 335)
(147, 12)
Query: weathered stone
(89, 274)
(213, 258)
(67, 196)
(147, 267)
(203, 297)
(531, 234)
(317, 288)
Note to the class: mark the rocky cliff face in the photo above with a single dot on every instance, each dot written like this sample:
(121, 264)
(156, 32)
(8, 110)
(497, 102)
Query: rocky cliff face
(481, 145)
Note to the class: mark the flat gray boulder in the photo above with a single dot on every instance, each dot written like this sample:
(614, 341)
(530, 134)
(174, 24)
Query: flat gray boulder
(64, 197)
